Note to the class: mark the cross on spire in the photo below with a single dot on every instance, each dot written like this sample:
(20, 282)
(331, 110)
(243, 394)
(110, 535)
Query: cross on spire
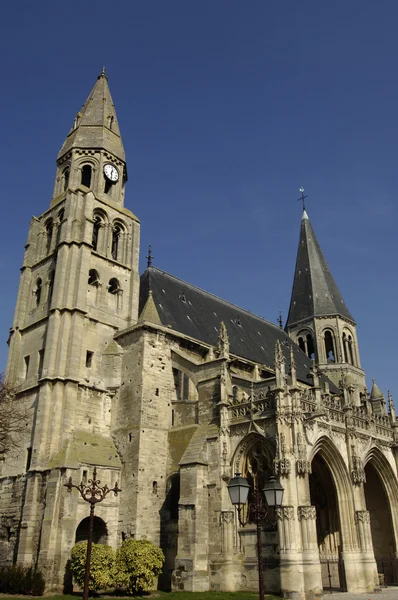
(149, 257)
(303, 197)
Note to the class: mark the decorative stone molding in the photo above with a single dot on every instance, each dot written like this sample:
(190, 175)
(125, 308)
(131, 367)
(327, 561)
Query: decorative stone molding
(306, 512)
(303, 466)
(282, 465)
(357, 472)
(362, 516)
(285, 512)
(227, 516)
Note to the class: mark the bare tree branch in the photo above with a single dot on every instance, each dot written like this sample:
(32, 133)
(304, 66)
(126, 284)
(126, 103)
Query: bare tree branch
(14, 418)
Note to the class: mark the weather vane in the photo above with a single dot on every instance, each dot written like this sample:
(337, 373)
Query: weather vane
(303, 197)
(149, 257)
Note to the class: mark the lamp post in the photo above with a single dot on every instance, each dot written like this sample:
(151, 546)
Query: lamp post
(92, 493)
(238, 489)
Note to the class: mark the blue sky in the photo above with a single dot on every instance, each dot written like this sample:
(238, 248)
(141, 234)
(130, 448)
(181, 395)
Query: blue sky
(226, 108)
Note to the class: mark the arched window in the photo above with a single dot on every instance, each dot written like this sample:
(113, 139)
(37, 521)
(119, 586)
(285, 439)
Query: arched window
(257, 468)
(115, 241)
(351, 349)
(38, 290)
(310, 346)
(329, 346)
(114, 286)
(108, 186)
(100, 531)
(234, 395)
(96, 229)
(86, 175)
(60, 220)
(65, 176)
(306, 343)
(51, 276)
(49, 233)
(93, 277)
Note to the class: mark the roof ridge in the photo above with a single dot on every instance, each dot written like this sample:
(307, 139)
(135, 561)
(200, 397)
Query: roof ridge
(252, 314)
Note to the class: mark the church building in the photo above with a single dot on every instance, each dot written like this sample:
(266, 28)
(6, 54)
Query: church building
(170, 391)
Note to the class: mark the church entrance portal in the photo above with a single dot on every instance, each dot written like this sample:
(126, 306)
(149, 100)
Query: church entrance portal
(380, 525)
(324, 498)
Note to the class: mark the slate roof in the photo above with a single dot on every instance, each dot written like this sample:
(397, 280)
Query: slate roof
(96, 124)
(198, 314)
(315, 292)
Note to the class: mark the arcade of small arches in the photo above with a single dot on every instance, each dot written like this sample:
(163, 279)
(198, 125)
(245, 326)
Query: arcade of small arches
(88, 173)
(345, 519)
(100, 238)
(305, 341)
(94, 279)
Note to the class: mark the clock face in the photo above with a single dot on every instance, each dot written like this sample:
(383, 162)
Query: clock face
(111, 172)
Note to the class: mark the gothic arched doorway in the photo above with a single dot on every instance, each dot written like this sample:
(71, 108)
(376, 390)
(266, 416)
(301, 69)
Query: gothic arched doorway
(254, 460)
(100, 531)
(324, 497)
(381, 525)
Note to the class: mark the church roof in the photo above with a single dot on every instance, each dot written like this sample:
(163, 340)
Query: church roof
(96, 125)
(198, 314)
(315, 292)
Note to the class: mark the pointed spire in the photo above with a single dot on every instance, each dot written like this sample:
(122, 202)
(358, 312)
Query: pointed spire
(315, 292)
(96, 125)
(375, 393)
(150, 313)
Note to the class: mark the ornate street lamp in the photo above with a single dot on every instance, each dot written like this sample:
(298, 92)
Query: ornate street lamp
(93, 494)
(238, 489)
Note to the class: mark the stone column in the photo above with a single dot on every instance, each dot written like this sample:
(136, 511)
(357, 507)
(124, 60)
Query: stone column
(311, 563)
(227, 532)
(362, 520)
(291, 569)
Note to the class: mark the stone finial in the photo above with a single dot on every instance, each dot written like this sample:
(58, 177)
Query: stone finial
(293, 368)
(223, 341)
(391, 407)
(279, 365)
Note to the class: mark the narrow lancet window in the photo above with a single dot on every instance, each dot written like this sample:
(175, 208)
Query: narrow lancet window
(38, 290)
(66, 175)
(115, 241)
(96, 228)
(86, 175)
(329, 346)
(49, 234)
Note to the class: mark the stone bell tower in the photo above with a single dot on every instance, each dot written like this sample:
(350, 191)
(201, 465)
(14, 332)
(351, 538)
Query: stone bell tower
(79, 286)
(319, 320)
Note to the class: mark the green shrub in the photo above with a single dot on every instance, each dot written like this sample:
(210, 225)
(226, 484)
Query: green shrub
(137, 564)
(38, 583)
(102, 560)
(22, 580)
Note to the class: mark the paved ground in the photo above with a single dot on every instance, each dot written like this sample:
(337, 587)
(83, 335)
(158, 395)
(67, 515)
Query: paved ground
(388, 593)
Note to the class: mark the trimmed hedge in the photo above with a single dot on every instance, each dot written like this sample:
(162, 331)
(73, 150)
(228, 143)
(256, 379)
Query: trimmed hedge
(27, 581)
